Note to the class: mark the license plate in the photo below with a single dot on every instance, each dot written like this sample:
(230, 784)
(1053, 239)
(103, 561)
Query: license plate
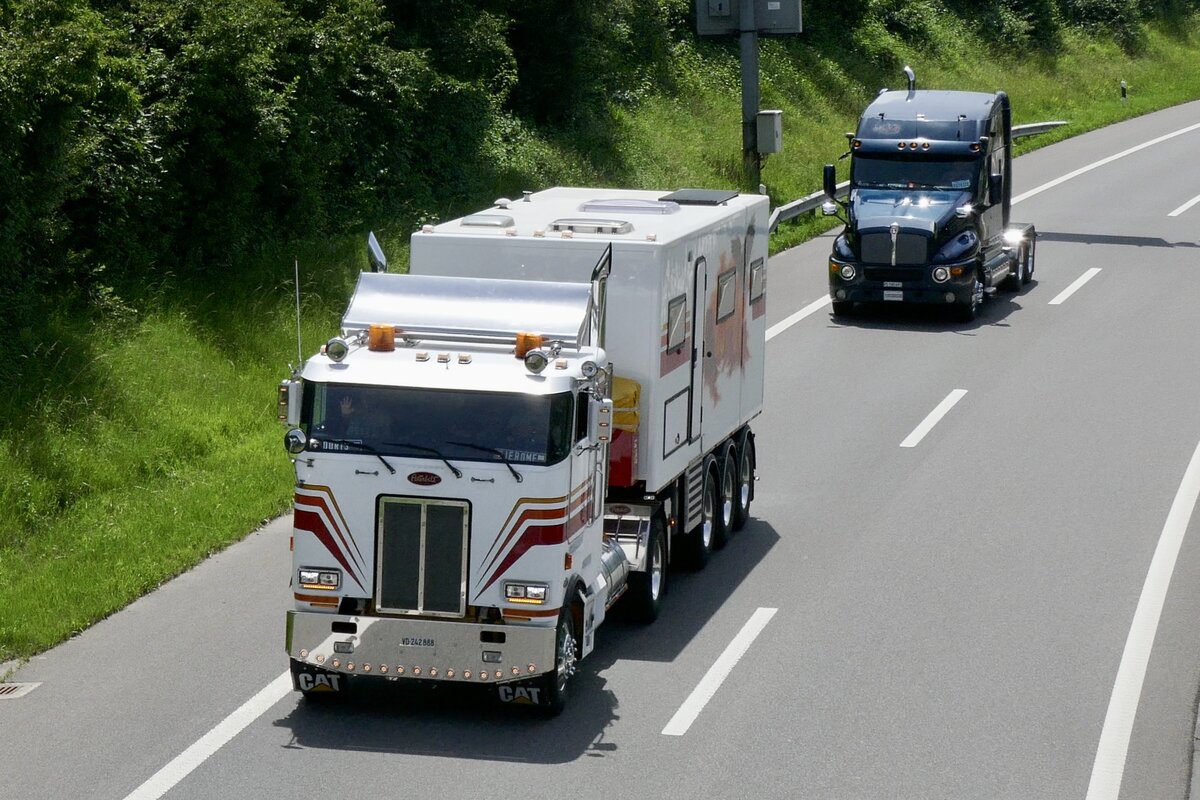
(893, 295)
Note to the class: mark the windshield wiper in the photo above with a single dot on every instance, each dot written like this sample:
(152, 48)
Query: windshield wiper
(454, 469)
(367, 447)
(500, 453)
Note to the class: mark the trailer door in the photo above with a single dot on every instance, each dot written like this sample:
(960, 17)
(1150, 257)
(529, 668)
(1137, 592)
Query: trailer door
(696, 387)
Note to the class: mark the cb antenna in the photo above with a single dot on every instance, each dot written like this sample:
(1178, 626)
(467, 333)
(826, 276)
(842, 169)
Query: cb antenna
(299, 345)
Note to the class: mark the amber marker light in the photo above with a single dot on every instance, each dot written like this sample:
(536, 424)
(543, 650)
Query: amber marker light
(381, 338)
(527, 341)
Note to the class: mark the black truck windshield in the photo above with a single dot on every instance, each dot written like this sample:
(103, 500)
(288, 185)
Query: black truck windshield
(458, 426)
(884, 171)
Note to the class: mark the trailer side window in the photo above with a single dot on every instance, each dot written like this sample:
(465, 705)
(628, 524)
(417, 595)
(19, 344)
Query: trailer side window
(726, 298)
(758, 279)
(677, 322)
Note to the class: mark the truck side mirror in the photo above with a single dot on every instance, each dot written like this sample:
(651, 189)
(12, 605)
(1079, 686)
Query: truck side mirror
(600, 418)
(996, 189)
(830, 181)
(289, 402)
(375, 254)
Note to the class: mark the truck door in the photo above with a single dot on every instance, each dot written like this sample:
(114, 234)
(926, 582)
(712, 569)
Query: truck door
(696, 388)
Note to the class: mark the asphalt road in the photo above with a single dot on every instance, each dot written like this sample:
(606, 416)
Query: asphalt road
(997, 603)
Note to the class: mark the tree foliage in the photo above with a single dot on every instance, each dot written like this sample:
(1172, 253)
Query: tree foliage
(144, 138)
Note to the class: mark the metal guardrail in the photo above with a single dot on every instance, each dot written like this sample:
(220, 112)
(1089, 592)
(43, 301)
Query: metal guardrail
(811, 202)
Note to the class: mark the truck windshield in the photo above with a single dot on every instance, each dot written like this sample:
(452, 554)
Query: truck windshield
(881, 171)
(459, 426)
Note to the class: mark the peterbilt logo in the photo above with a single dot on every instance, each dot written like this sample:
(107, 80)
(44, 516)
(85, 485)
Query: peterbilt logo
(895, 231)
(424, 478)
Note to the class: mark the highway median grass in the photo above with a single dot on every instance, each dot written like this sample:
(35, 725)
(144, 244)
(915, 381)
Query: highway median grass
(138, 441)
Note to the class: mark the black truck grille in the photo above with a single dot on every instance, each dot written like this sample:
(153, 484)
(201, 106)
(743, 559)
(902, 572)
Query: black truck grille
(421, 566)
(911, 248)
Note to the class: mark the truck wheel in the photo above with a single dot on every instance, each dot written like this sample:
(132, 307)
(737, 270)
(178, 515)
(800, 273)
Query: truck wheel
(727, 481)
(744, 490)
(317, 685)
(1020, 274)
(646, 588)
(699, 540)
(968, 311)
(555, 684)
(842, 308)
(1030, 260)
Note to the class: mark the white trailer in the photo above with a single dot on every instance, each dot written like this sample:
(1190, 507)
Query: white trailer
(468, 505)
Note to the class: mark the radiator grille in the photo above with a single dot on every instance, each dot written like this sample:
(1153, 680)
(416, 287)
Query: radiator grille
(911, 248)
(422, 557)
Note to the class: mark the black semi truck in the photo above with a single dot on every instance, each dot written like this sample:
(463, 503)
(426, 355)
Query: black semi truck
(927, 216)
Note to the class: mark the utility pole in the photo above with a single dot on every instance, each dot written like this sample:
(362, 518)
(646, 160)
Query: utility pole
(748, 19)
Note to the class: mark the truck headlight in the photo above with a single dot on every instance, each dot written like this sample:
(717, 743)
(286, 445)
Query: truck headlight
(847, 272)
(940, 274)
(323, 579)
(958, 248)
(531, 593)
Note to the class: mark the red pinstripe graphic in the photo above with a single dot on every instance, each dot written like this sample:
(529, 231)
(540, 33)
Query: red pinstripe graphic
(312, 512)
(323, 502)
(539, 527)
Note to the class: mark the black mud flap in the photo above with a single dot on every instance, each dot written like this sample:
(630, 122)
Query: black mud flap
(313, 681)
(522, 693)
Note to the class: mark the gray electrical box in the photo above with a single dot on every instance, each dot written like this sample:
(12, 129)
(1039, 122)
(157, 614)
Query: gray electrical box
(770, 131)
(771, 17)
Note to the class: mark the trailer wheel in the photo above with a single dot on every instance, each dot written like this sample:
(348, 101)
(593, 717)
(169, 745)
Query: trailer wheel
(744, 490)
(646, 588)
(555, 684)
(699, 540)
(726, 511)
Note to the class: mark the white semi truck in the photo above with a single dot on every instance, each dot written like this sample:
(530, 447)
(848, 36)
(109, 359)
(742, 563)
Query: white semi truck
(551, 407)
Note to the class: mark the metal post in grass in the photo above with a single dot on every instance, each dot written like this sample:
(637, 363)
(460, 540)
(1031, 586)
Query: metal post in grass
(749, 19)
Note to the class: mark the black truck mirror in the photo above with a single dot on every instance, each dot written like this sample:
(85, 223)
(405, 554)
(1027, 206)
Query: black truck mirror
(996, 189)
(830, 181)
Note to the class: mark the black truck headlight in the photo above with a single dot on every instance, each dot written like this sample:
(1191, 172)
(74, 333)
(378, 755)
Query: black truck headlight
(958, 248)
(941, 274)
(847, 272)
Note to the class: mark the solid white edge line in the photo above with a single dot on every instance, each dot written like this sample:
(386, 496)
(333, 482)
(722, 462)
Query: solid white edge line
(1102, 162)
(1111, 753)
(717, 673)
(1185, 206)
(182, 765)
(1074, 287)
(935, 416)
(780, 327)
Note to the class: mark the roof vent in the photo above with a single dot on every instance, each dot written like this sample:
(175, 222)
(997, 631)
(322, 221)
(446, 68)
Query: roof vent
(487, 221)
(630, 205)
(592, 225)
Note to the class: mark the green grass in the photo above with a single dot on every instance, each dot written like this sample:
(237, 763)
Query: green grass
(139, 444)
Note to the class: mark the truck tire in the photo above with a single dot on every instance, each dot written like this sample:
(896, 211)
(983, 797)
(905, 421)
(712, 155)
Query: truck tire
(727, 495)
(1020, 274)
(969, 311)
(556, 684)
(698, 543)
(644, 599)
(1030, 259)
(745, 482)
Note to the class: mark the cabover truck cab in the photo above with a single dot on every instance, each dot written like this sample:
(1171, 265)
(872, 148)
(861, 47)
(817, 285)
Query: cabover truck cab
(927, 215)
(551, 407)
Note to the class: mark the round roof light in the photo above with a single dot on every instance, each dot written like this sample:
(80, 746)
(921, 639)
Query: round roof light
(536, 361)
(337, 349)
